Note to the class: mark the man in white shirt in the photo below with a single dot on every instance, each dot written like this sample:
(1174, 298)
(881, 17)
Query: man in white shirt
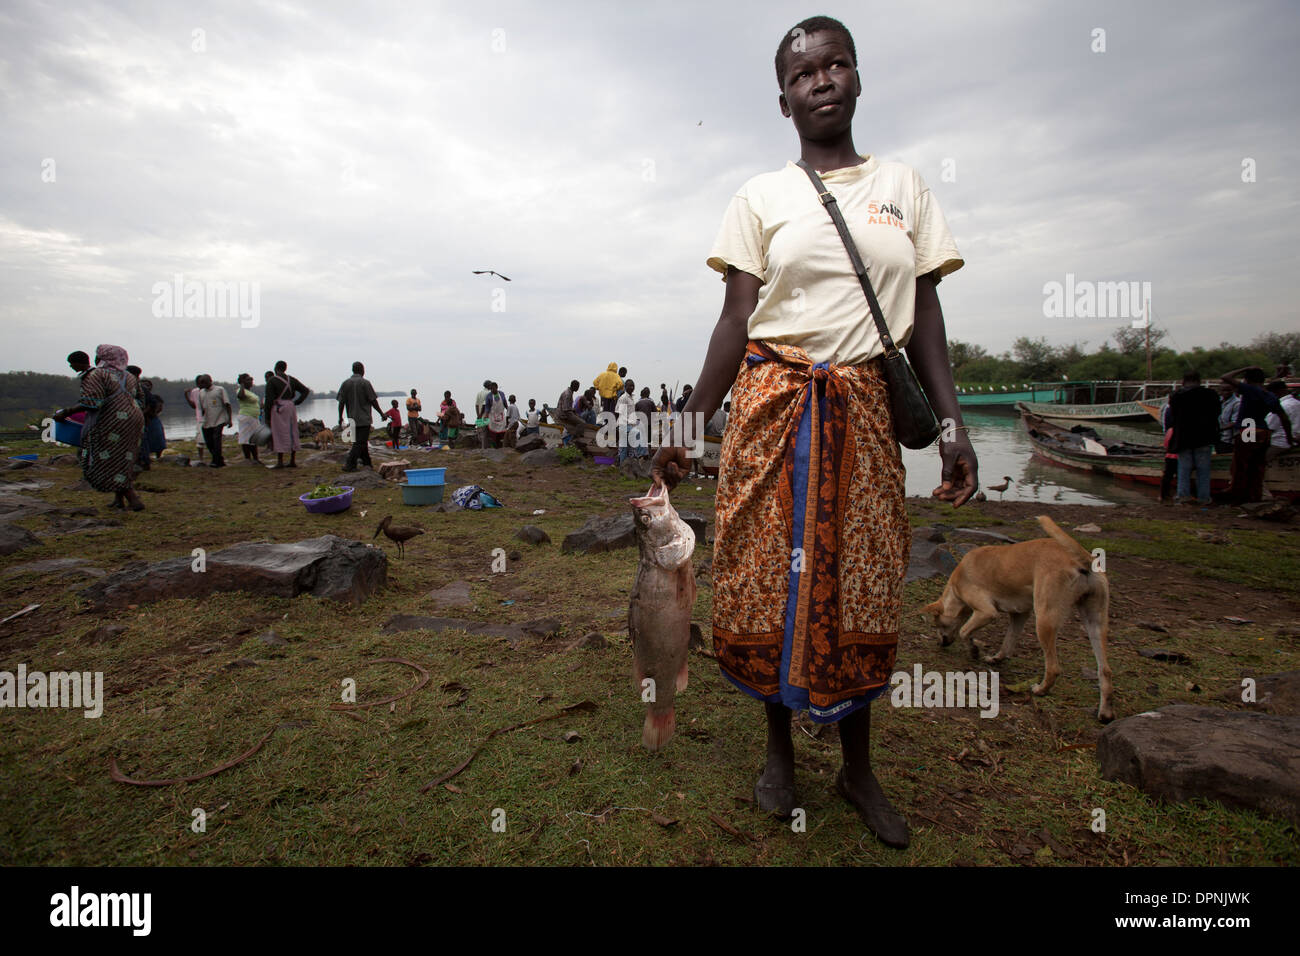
(625, 409)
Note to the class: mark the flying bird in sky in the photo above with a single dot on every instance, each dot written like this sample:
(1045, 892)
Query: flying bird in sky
(489, 272)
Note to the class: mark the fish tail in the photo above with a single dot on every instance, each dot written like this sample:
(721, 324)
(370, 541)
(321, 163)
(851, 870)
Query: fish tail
(681, 678)
(658, 729)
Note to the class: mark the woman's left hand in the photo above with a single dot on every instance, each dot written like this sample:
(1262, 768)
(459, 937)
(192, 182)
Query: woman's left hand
(960, 477)
(60, 415)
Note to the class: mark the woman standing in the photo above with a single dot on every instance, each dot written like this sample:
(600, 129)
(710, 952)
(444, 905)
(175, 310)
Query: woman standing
(394, 418)
(114, 425)
(284, 394)
(448, 419)
(497, 416)
(250, 416)
(812, 536)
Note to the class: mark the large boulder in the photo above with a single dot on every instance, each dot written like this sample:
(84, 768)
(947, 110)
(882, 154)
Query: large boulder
(541, 456)
(361, 478)
(610, 533)
(14, 538)
(533, 535)
(328, 566)
(529, 443)
(1242, 759)
(927, 558)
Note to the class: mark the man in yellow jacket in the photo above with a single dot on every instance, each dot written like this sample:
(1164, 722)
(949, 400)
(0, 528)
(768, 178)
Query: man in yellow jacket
(609, 385)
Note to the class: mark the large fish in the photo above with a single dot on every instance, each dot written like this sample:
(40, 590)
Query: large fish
(659, 617)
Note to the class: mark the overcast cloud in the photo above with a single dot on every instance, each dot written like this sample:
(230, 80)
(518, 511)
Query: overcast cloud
(356, 161)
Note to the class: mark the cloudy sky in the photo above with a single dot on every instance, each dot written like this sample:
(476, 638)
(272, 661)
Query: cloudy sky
(353, 162)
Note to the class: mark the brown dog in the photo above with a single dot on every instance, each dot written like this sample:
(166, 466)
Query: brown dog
(1050, 575)
(325, 438)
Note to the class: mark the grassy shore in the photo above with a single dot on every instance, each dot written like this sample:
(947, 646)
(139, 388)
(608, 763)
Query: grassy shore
(191, 684)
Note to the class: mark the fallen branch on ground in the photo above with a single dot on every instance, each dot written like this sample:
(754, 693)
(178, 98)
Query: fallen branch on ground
(585, 705)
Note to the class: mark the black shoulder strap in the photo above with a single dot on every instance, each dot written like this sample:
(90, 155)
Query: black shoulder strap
(833, 208)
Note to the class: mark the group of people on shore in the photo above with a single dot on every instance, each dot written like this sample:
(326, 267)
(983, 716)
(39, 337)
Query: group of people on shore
(1253, 421)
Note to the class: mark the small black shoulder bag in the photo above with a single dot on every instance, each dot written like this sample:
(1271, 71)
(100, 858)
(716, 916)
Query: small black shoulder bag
(914, 423)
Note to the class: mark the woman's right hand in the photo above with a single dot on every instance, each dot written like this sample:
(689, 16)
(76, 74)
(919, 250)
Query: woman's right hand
(669, 466)
(60, 415)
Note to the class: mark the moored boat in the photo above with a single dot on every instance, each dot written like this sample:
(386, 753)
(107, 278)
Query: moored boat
(1081, 448)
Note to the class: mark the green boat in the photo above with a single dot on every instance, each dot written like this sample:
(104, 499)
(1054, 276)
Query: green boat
(986, 395)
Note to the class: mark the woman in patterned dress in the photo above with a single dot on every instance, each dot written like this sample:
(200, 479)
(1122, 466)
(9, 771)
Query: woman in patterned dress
(812, 535)
(110, 437)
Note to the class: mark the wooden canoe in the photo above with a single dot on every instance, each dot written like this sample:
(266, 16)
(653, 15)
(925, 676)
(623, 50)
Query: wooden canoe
(1082, 449)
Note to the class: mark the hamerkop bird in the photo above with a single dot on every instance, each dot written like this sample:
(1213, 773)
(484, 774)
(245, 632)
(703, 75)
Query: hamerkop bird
(398, 533)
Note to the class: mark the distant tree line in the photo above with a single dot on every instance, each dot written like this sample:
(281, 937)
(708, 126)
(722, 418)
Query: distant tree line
(1034, 360)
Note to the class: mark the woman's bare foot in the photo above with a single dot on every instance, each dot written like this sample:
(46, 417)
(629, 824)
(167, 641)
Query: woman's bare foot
(866, 796)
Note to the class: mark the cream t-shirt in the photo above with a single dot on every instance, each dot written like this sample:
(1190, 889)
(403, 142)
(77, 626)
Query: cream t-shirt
(777, 230)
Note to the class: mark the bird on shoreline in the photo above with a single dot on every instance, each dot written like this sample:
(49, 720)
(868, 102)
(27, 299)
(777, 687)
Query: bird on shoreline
(399, 534)
(1001, 489)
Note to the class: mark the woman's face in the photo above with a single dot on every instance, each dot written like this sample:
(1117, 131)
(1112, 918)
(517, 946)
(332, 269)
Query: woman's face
(821, 87)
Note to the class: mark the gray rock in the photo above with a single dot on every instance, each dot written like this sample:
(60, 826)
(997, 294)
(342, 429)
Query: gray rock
(14, 507)
(543, 629)
(611, 533)
(541, 457)
(455, 594)
(981, 533)
(530, 443)
(14, 538)
(182, 460)
(499, 455)
(533, 535)
(103, 633)
(1180, 752)
(328, 566)
(272, 639)
(60, 567)
(61, 525)
(361, 478)
(928, 560)
(25, 484)
(594, 640)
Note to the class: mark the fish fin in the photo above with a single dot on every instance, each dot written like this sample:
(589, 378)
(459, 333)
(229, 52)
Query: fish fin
(658, 729)
(681, 677)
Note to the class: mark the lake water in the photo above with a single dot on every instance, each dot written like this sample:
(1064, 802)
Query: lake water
(1000, 442)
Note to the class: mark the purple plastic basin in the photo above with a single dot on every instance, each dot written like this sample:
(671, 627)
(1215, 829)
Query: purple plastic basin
(328, 506)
